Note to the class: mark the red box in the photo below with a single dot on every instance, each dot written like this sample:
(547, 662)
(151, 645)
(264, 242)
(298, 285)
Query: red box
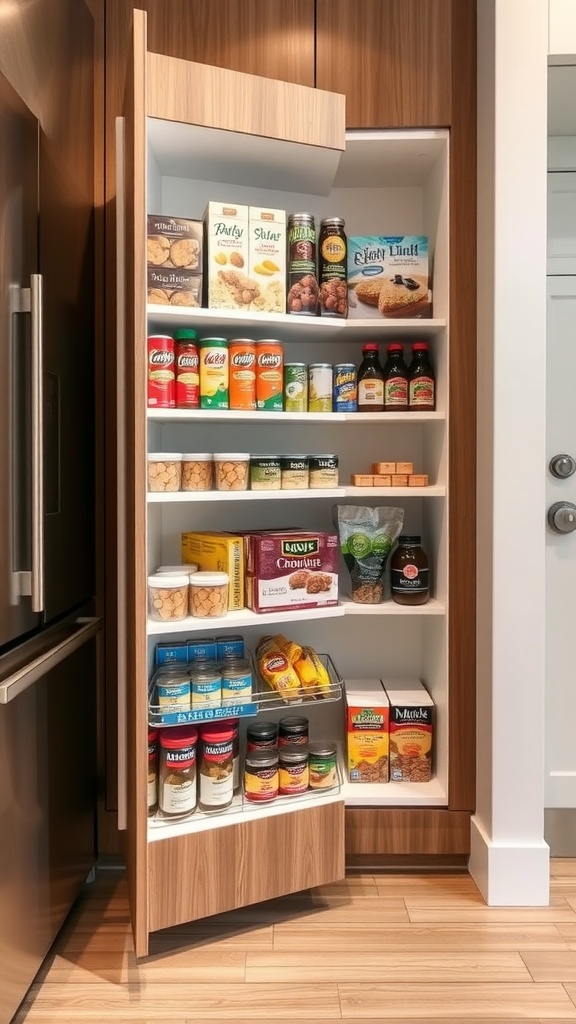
(291, 570)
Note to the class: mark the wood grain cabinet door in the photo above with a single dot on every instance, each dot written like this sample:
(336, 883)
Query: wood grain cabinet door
(274, 39)
(391, 59)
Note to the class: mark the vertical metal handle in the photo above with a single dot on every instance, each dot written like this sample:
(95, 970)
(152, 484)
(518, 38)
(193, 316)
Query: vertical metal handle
(37, 405)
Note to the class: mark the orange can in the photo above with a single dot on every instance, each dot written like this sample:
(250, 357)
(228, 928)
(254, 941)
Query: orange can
(242, 353)
(270, 375)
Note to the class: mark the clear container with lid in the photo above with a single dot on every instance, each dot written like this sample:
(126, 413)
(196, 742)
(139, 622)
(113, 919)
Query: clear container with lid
(209, 594)
(197, 471)
(232, 471)
(168, 597)
(164, 471)
(177, 570)
(205, 684)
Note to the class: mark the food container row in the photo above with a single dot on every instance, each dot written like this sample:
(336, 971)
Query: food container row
(389, 730)
(239, 471)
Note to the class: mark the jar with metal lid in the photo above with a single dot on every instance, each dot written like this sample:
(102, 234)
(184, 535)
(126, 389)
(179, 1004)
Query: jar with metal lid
(236, 680)
(302, 295)
(262, 736)
(293, 731)
(322, 765)
(234, 726)
(216, 766)
(261, 779)
(177, 790)
(152, 771)
(205, 685)
(409, 572)
(172, 688)
(332, 268)
(293, 770)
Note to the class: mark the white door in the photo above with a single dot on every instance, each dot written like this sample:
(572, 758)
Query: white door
(561, 223)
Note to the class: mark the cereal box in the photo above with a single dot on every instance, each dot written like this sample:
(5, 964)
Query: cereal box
(226, 257)
(218, 552)
(367, 717)
(291, 570)
(170, 287)
(411, 730)
(388, 276)
(267, 258)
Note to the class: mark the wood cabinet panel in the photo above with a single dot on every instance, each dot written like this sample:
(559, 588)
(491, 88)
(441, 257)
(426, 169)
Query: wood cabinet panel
(391, 58)
(406, 832)
(221, 869)
(263, 38)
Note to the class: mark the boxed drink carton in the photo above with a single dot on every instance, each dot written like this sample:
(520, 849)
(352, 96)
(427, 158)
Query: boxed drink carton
(367, 726)
(174, 254)
(226, 257)
(291, 569)
(218, 552)
(411, 730)
(389, 276)
(267, 258)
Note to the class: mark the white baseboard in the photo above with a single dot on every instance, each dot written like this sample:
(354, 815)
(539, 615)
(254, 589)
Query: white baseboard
(509, 875)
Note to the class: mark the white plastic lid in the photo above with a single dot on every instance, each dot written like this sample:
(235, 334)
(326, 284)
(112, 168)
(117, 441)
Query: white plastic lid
(164, 456)
(167, 582)
(175, 570)
(209, 579)
(197, 457)
(233, 457)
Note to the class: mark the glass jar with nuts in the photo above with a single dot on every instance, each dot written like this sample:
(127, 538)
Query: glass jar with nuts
(168, 597)
(209, 594)
(164, 471)
(197, 472)
(232, 471)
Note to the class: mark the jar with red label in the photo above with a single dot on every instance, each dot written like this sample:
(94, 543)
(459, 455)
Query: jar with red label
(233, 725)
(152, 771)
(261, 778)
(177, 790)
(421, 381)
(187, 369)
(216, 767)
(410, 573)
(161, 372)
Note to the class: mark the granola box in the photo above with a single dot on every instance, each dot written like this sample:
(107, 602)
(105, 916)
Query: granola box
(267, 258)
(291, 570)
(411, 730)
(218, 552)
(175, 242)
(168, 286)
(367, 730)
(389, 276)
(226, 257)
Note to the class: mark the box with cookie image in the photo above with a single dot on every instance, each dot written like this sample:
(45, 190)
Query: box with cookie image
(174, 256)
(389, 276)
(291, 569)
(168, 286)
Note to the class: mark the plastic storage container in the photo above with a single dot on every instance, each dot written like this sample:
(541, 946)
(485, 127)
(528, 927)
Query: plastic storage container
(208, 594)
(164, 471)
(168, 598)
(232, 471)
(197, 472)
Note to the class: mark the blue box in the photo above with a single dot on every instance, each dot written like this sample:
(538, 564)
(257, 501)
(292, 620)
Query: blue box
(173, 653)
(229, 647)
(203, 648)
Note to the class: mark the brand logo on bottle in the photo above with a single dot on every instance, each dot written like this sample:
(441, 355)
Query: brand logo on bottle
(181, 757)
(215, 357)
(243, 359)
(187, 361)
(222, 750)
(161, 357)
(300, 548)
(269, 359)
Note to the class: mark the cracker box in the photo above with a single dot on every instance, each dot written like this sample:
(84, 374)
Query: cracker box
(218, 552)
(168, 286)
(267, 258)
(175, 242)
(388, 276)
(291, 570)
(226, 257)
(411, 730)
(367, 725)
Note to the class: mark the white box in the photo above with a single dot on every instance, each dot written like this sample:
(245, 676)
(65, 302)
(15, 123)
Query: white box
(267, 258)
(226, 261)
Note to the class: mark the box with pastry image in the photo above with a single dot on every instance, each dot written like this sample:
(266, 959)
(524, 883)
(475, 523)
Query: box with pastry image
(175, 242)
(388, 276)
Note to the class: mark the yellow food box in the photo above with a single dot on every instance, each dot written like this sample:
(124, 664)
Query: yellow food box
(218, 552)
(367, 730)
(267, 258)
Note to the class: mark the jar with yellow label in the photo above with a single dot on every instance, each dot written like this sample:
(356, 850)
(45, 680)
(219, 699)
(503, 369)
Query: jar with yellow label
(261, 775)
(293, 770)
(332, 268)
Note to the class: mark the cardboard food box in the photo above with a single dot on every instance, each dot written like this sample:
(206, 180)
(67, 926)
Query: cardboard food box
(291, 570)
(367, 725)
(226, 257)
(389, 276)
(218, 552)
(267, 258)
(174, 255)
(170, 287)
(411, 730)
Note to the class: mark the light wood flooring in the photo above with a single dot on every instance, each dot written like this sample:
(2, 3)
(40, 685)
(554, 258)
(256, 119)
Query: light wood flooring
(410, 948)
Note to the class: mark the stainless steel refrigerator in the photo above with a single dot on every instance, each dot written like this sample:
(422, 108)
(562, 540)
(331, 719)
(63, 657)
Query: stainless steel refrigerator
(47, 626)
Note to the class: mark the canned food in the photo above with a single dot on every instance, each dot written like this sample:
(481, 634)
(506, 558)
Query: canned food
(345, 397)
(322, 765)
(214, 373)
(242, 357)
(320, 387)
(293, 770)
(187, 369)
(236, 680)
(161, 372)
(323, 471)
(293, 731)
(205, 685)
(295, 387)
(302, 295)
(269, 375)
(262, 736)
(265, 473)
(261, 775)
(332, 270)
(294, 472)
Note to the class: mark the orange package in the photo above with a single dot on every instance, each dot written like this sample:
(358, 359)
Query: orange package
(242, 355)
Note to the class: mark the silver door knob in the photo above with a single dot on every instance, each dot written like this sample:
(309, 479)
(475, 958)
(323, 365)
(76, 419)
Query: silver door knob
(562, 466)
(562, 517)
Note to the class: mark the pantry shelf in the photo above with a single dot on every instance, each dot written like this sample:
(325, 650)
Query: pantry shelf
(237, 619)
(242, 416)
(394, 794)
(432, 607)
(178, 497)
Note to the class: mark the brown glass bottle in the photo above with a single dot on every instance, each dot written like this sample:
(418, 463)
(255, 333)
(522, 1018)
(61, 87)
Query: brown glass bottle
(422, 382)
(410, 574)
(395, 379)
(370, 380)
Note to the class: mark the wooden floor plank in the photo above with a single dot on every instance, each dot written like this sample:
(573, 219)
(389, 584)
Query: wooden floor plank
(562, 866)
(465, 937)
(447, 1001)
(285, 968)
(555, 965)
(486, 915)
(220, 967)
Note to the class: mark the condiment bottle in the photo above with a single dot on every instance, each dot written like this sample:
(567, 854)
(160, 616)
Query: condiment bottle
(395, 378)
(410, 573)
(370, 380)
(422, 382)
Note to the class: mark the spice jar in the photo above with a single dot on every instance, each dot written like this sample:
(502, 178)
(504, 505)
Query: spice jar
(216, 768)
(152, 771)
(205, 685)
(233, 725)
(262, 736)
(172, 688)
(293, 770)
(168, 597)
(261, 780)
(236, 680)
(410, 574)
(322, 765)
(232, 470)
(164, 471)
(177, 791)
(197, 472)
(293, 731)
(209, 594)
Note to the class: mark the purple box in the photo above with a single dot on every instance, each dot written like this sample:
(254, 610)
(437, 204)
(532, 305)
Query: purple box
(292, 570)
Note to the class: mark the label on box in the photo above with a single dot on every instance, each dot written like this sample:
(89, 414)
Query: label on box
(226, 261)
(218, 552)
(292, 570)
(170, 287)
(267, 258)
(388, 276)
(174, 242)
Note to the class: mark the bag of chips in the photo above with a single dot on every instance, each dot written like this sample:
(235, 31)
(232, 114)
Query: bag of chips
(367, 536)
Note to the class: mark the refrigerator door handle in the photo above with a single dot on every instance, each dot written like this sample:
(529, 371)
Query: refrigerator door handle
(37, 406)
(15, 684)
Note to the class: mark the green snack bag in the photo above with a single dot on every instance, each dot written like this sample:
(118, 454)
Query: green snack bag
(367, 536)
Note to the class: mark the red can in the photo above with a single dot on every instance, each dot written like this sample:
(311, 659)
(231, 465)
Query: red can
(161, 372)
(187, 370)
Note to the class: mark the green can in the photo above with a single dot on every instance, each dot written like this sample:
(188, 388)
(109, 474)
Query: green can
(295, 387)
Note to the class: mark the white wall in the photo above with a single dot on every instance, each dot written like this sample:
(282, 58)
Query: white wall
(509, 858)
(562, 27)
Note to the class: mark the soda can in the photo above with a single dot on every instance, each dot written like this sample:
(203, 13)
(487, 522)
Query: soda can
(320, 387)
(295, 387)
(269, 375)
(345, 397)
(242, 356)
(214, 373)
(161, 372)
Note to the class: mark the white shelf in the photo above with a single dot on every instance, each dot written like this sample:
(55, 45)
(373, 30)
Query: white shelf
(242, 416)
(389, 607)
(183, 497)
(394, 794)
(433, 491)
